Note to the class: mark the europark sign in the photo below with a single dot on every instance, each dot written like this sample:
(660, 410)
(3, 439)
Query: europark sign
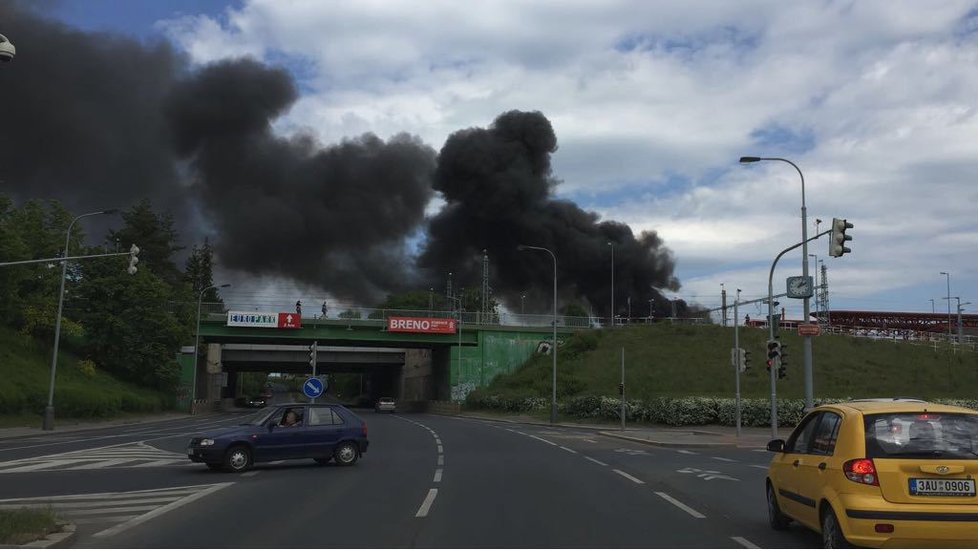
(259, 319)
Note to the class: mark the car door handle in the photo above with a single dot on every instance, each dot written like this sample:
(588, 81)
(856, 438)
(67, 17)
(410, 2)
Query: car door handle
(822, 466)
(795, 463)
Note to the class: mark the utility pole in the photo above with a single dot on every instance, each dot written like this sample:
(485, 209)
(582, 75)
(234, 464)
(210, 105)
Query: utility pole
(612, 245)
(948, 298)
(723, 306)
(738, 366)
(485, 284)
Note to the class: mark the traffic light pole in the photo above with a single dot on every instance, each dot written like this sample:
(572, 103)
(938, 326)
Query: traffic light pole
(737, 355)
(770, 329)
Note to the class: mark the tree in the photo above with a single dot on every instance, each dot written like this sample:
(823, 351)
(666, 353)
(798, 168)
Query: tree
(198, 272)
(156, 238)
(130, 327)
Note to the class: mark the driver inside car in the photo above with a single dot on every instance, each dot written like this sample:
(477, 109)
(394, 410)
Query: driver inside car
(290, 420)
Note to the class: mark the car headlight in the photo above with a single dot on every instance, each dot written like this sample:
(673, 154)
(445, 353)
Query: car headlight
(206, 442)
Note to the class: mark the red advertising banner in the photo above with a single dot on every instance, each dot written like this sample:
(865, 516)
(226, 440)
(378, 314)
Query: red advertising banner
(426, 325)
(809, 329)
(289, 320)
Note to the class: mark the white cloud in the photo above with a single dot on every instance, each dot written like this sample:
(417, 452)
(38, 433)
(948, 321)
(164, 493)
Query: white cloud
(884, 90)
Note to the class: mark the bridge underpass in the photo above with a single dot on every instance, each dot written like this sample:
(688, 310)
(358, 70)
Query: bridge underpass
(431, 367)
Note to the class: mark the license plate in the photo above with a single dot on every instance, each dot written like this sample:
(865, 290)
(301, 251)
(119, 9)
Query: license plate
(942, 487)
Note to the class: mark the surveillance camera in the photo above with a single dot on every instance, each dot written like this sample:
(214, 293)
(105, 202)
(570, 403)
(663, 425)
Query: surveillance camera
(7, 50)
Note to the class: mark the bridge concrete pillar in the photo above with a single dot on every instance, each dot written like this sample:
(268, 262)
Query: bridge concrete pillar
(215, 376)
(416, 381)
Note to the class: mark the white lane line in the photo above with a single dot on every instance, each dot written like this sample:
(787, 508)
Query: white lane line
(680, 505)
(626, 476)
(759, 450)
(568, 450)
(441, 460)
(723, 459)
(440, 449)
(758, 466)
(276, 462)
(744, 542)
(68, 506)
(426, 505)
(438, 475)
(598, 462)
(685, 452)
(437, 441)
(41, 466)
(544, 440)
(590, 440)
(160, 511)
(109, 519)
(101, 464)
(252, 473)
(115, 509)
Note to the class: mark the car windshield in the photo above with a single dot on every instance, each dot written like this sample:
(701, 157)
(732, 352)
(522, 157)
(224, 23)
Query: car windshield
(922, 435)
(258, 418)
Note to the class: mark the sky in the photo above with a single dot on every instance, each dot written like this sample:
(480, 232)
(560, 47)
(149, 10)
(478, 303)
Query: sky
(653, 103)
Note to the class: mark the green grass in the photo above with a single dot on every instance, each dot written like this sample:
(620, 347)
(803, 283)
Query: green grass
(26, 525)
(686, 360)
(25, 373)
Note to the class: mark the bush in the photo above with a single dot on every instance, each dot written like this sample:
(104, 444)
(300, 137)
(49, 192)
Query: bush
(87, 367)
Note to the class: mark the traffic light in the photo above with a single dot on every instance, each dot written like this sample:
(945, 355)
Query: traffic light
(744, 360)
(838, 237)
(312, 355)
(621, 389)
(133, 259)
(773, 354)
(783, 362)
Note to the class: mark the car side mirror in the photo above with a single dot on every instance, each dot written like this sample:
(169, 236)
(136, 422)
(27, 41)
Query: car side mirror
(776, 446)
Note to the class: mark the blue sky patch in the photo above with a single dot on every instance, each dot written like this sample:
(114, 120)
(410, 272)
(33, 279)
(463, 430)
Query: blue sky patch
(778, 139)
(134, 17)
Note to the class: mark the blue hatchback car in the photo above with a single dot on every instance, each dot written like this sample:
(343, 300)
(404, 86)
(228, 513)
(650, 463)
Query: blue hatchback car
(322, 432)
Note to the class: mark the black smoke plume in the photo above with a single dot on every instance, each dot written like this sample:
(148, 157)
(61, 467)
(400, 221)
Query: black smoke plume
(98, 120)
(335, 218)
(498, 186)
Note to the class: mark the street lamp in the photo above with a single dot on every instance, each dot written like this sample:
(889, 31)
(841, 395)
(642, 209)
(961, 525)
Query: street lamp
(948, 298)
(200, 296)
(523, 304)
(817, 308)
(612, 245)
(48, 423)
(809, 384)
(932, 309)
(960, 325)
(553, 351)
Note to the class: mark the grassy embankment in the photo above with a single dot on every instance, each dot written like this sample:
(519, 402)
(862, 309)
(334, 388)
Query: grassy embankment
(24, 525)
(682, 360)
(25, 374)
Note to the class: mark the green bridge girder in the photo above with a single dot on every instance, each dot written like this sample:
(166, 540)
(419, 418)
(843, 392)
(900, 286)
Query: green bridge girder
(356, 332)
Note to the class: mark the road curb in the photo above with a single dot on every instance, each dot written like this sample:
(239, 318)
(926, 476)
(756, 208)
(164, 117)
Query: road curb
(544, 424)
(658, 443)
(61, 539)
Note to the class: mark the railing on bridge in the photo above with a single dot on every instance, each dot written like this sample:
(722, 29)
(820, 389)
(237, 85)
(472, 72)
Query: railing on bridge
(469, 318)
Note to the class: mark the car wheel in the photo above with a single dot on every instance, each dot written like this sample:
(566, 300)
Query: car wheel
(323, 461)
(778, 521)
(215, 466)
(346, 454)
(237, 459)
(832, 536)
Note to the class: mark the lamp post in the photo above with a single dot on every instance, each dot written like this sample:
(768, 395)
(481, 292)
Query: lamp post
(737, 356)
(200, 297)
(48, 422)
(932, 309)
(553, 351)
(948, 298)
(612, 245)
(807, 341)
(523, 303)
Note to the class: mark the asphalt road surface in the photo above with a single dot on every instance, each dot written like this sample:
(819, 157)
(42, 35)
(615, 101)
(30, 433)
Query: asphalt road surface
(427, 481)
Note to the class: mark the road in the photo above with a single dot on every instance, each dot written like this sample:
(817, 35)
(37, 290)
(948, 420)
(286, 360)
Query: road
(427, 481)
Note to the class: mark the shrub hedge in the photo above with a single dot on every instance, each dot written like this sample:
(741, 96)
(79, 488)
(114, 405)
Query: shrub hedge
(673, 411)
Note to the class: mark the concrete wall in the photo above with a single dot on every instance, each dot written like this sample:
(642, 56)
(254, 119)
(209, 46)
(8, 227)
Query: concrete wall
(498, 352)
(417, 376)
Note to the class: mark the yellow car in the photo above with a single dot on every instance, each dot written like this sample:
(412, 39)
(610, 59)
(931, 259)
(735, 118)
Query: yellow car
(879, 473)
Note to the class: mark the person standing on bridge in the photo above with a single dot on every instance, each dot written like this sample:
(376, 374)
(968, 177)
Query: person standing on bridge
(324, 309)
(298, 307)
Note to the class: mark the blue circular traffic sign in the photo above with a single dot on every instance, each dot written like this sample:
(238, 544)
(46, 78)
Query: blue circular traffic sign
(313, 387)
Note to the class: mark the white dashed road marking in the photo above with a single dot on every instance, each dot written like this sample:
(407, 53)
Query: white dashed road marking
(568, 450)
(723, 459)
(744, 542)
(680, 505)
(598, 462)
(438, 475)
(685, 452)
(627, 476)
(426, 505)
(758, 466)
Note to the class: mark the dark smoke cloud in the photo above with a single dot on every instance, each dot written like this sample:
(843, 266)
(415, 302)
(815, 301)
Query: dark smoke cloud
(97, 120)
(498, 186)
(80, 118)
(334, 217)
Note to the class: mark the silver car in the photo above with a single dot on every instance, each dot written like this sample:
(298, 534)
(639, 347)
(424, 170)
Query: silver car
(385, 404)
